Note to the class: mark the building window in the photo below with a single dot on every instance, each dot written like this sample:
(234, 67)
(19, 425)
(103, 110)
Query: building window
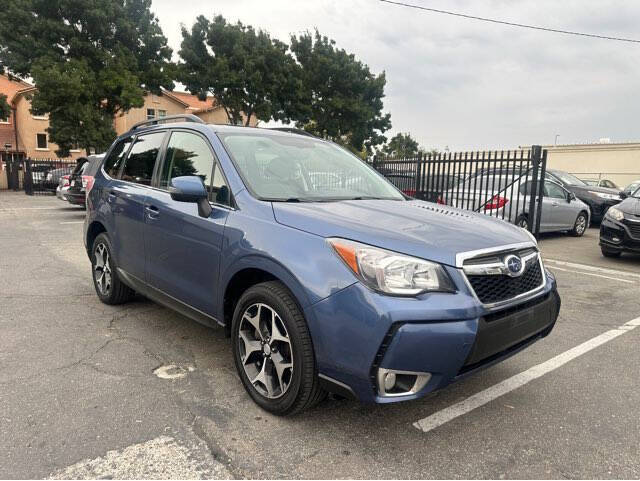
(75, 147)
(162, 113)
(4, 120)
(151, 114)
(41, 117)
(41, 142)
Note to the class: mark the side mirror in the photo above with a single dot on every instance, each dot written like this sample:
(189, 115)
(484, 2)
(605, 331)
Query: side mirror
(571, 197)
(190, 188)
(623, 195)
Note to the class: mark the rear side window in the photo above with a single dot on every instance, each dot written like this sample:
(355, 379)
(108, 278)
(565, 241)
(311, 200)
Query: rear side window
(114, 161)
(138, 167)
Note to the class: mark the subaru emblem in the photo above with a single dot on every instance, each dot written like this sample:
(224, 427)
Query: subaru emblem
(514, 265)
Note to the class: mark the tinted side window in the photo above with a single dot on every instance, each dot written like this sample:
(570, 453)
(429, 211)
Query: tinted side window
(139, 165)
(113, 163)
(187, 154)
(220, 190)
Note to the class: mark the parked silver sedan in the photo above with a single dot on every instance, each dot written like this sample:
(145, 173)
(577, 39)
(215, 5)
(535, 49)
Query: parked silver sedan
(504, 198)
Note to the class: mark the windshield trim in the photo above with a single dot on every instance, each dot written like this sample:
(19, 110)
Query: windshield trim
(255, 195)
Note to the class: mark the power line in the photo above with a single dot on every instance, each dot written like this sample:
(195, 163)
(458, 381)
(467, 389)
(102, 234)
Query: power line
(512, 24)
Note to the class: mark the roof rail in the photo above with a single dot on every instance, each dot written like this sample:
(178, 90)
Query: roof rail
(292, 130)
(155, 121)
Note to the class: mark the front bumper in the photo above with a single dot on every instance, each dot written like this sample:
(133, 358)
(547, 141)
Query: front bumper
(616, 236)
(599, 207)
(356, 331)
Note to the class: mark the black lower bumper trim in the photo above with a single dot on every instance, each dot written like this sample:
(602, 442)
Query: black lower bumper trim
(500, 335)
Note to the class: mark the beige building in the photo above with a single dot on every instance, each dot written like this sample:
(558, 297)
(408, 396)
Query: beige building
(618, 162)
(25, 132)
(173, 103)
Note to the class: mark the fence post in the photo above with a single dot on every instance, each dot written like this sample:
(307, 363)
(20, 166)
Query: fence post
(535, 202)
(418, 176)
(543, 173)
(27, 181)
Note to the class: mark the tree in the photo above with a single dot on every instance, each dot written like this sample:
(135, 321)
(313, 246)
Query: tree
(5, 108)
(89, 60)
(249, 73)
(401, 145)
(342, 98)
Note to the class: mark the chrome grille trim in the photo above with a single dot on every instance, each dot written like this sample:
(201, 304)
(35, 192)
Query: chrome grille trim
(497, 269)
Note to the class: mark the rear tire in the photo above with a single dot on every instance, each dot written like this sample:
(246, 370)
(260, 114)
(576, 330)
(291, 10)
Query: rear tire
(523, 221)
(580, 225)
(273, 352)
(610, 253)
(108, 285)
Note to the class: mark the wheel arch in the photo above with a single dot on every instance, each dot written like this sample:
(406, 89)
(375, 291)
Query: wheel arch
(94, 230)
(248, 272)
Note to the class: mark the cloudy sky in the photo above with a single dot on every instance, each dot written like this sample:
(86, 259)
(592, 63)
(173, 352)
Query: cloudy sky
(467, 84)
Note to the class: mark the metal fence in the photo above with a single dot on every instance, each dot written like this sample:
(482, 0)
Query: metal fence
(34, 176)
(502, 184)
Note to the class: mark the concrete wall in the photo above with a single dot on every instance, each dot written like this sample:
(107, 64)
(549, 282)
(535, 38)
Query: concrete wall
(617, 162)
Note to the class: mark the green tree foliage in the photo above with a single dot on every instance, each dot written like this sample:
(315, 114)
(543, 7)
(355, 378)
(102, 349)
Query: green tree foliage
(5, 109)
(249, 73)
(90, 61)
(401, 145)
(342, 98)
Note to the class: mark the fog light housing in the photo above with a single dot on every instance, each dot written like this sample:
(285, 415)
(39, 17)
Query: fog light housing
(393, 383)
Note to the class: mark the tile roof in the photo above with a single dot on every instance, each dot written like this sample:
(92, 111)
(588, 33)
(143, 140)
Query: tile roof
(194, 102)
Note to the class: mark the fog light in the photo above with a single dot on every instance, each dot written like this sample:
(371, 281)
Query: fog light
(615, 239)
(389, 381)
(400, 383)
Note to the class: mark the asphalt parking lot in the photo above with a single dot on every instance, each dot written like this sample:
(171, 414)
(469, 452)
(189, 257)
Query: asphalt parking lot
(89, 390)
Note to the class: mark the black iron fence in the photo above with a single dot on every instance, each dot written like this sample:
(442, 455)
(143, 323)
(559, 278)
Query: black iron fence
(502, 184)
(34, 176)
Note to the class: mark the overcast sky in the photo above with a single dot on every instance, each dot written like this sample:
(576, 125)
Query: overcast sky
(467, 84)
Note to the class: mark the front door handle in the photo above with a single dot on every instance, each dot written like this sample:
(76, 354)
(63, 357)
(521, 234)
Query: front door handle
(152, 211)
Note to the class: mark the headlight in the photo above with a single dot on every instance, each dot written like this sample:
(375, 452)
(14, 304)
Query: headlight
(602, 195)
(615, 214)
(389, 272)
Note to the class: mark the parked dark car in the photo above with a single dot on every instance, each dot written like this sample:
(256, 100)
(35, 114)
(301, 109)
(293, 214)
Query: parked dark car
(350, 288)
(609, 184)
(82, 179)
(599, 199)
(620, 228)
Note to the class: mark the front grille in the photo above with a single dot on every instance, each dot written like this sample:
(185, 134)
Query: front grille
(496, 288)
(634, 229)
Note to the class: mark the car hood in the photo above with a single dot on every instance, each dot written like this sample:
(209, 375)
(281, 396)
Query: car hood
(631, 205)
(593, 188)
(422, 229)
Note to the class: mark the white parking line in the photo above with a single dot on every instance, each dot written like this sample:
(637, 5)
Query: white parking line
(585, 267)
(483, 397)
(591, 274)
(73, 222)
(10, 209)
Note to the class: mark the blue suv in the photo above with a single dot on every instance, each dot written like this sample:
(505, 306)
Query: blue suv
(324, 275)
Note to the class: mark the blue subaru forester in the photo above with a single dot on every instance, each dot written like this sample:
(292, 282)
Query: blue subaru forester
(325, 276)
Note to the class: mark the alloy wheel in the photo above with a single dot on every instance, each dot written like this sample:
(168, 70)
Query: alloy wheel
(581, 224)
(265, 350)
(102, 269)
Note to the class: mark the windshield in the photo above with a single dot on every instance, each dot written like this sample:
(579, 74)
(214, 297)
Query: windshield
(297, 168)
(592, 182)
(567, 178)
(637, 192)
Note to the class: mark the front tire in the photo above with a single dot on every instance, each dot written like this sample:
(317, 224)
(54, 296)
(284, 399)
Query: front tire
(273, 352)
(580, 225)
(108, 285)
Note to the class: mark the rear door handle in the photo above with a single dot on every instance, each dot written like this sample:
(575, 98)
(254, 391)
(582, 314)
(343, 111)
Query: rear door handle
(152, 211)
